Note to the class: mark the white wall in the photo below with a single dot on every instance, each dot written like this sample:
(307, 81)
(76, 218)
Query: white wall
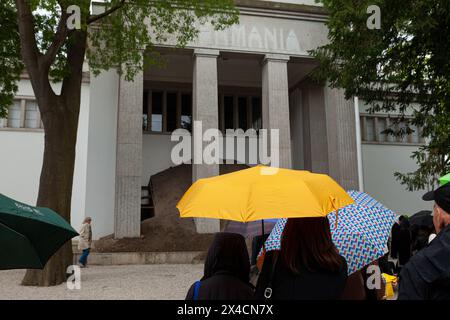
(380, 161)
(19, 177)
(101, 153)
(379, 164)
(156, 151)
(94, 176)
(22, 154)
(79, 179)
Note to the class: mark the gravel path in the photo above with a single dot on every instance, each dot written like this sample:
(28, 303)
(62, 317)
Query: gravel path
(111, 282)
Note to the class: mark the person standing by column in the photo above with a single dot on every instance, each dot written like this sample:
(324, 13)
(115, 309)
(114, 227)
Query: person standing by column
(85, 241)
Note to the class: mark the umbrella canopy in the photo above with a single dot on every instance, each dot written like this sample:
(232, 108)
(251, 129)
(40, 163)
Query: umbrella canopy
(445, 179)
(422, 219)
(29, 236)
(361, 234)
(263, 193)
(251, 229)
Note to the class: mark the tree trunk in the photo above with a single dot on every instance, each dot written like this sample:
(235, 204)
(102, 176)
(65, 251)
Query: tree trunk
(55, 188)
(60, 118)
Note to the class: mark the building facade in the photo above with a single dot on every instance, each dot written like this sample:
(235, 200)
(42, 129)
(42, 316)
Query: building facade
(252, 75)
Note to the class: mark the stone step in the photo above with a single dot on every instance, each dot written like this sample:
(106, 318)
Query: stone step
(75, 246)
(133, 258)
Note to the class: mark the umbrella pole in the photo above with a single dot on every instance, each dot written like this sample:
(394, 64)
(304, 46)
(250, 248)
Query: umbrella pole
(337, 217)
(262, 228)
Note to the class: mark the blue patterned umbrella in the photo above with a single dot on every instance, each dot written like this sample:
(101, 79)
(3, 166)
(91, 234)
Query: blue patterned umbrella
(361, 235)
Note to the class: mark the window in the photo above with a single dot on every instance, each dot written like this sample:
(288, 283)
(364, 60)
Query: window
(256, 113)
(145, 123)
(157, 112)
(166, 111)
(240, 112)
(22, 114)
(172, 120)
(415, 136)
(186, 112)
(31, 115)
(229, 112)
(381, 126)
(372, 127)
(14, 115)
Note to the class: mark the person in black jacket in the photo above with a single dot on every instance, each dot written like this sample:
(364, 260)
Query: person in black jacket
(308, 266)
(427, 274)
(395, 236)
(227, 271)
(404, 242)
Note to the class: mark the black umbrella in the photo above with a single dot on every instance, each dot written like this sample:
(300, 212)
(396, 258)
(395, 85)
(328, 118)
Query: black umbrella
(422, 219)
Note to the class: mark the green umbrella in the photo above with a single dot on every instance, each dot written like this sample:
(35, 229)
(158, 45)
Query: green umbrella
(29, 236)
(445, 179)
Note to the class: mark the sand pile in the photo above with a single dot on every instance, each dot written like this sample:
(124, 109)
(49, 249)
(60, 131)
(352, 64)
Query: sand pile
(166, 231)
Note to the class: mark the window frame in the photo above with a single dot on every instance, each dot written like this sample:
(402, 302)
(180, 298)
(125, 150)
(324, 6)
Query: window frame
(165, 88)
(377, 134)
(236, 93)
(186, 88)
(22, 127)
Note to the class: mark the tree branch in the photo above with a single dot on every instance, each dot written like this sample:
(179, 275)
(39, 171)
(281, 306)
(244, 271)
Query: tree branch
(31, 55)
(58, 41)
(29, 50)
(75, 58)
(111, 10)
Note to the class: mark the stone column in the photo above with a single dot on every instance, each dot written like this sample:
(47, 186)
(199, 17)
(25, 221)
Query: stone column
(205, 109)
(275, 103)
(342, 152)
(329, 133)
(296, 118)
(127, 222)
(315, 143)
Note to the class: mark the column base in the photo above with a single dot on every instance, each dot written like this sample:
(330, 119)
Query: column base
(203, 225)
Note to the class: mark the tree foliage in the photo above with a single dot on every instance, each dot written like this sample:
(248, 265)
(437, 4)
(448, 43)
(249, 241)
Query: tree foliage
(10, 63)
(403, 67)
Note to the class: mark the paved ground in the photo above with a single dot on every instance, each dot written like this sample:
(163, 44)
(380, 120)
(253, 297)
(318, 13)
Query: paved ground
(147, 282)
(111, 282)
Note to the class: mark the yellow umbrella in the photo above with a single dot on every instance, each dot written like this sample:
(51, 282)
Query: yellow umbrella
(263, 193)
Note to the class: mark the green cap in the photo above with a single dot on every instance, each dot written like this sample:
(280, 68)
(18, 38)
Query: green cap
(445, 179)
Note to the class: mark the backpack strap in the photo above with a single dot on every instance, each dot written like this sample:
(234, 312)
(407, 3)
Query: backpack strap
(268, 291)
(197, 289)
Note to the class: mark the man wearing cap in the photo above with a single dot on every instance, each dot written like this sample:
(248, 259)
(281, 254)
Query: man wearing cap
(427, 275)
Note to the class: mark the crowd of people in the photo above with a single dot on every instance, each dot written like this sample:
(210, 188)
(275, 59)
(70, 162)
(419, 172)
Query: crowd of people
(309, 266)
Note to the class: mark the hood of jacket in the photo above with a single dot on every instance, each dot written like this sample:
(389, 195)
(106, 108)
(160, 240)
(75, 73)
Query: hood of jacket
(228, 255)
